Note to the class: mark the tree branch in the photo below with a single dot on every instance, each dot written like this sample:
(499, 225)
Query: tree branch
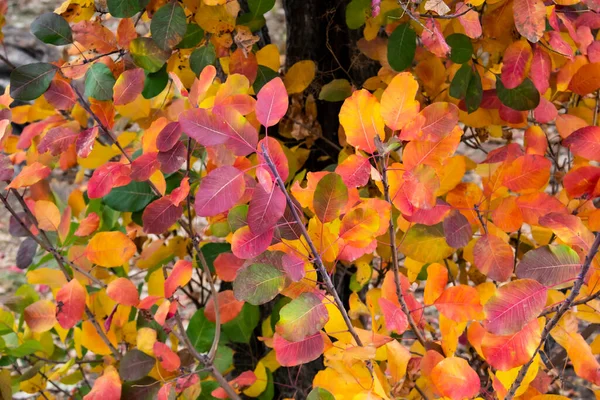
(317, 257)
(395, 263)
(564, 307)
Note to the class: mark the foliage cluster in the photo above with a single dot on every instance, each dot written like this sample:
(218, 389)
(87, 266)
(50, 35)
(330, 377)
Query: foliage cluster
(467, 274)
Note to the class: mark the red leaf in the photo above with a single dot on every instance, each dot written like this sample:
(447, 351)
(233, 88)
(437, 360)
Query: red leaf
(585, 142)
(220, 190)
(514, 306)
(160, 215)
(395, 319)
(171, 160)
(515, 63)
(71, 304)
(144, 166)
(245, 244)
(265, 209)
(129, 86)
(289, 354)
(85, 141)
(227, 266)
(109, 175)
(271, 102)
(355, 170)
(60, 95)
(168, 136)
(205, 127)
(57, 140)
(168, 359)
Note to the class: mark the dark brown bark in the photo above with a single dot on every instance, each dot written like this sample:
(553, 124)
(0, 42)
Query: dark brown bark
(317, 30)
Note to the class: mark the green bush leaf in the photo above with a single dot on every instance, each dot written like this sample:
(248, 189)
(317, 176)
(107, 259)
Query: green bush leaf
(402, 45)
(155, 82)
(125, 8)
(147, 54)
(522, 98)
(240, 328)
(30, 81)
(336, 90)
(460, 82)
(474, 93)
(461, 48)
(192, 37)
(201, 331)
(130, 198)
(201, 57)
(264, 76)
(356, 13)
(99, 82)
(168, 25)
(53, 29)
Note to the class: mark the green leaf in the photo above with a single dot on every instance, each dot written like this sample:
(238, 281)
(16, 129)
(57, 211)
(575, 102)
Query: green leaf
(461, 48)
(192, 37)
(155, 82)
(223, 358)
(336, 90)
(474, 94)
(460, 82)
(258, 283)
(356, 13)
(28, 82)
(168, 25)
(130, 198)
(402, 45)
(202, 57)
(135, 365)
(240, 328)
(319, 394)
(208, 387)
(125, 8)
(99, 82)
(237, 217)
(259, 7)
(201, 331)
(522, 98)
(28, 347)
(253, 23)
(264, 76)
(53, 29)
(147, 54)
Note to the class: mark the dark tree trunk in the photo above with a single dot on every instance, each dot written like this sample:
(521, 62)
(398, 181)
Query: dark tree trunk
(317, 30)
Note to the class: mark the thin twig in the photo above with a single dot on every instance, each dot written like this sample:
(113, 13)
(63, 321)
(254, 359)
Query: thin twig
(316, 256)
(395, 263)
(564, 307)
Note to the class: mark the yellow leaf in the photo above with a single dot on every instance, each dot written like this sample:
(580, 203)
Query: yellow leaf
(146, 337)
(47, 215)
(299, 76)
(91, 340)
(260, 384)
(269, 57)
(110, 249)
(47, 276)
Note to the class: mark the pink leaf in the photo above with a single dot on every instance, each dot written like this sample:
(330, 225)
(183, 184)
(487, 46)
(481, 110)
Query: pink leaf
(220, 190)
(272, 103)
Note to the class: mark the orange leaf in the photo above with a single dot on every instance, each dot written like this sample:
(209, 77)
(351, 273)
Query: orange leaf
(398, 104)
(229, 307)
(437, 279)
(180, 276)
(454, 378)
(494, 257)
(530, 18)
(110, 249)
(107, 387)
(40, 316)
(511, 351)
(460, 303)
(362, 121)
(30, 175)
(123, 291)
(47, 215)
(88, 225)
(167, 357)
